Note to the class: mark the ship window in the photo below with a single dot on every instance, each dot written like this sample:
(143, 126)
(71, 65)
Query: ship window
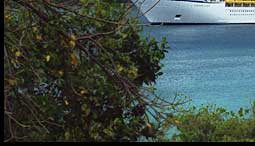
(246, 5)
(178, 16)
(238, 5)
(229, 4)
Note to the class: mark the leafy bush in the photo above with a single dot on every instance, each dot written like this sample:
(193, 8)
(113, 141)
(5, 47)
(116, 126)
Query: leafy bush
(215, 124)
(73, 71)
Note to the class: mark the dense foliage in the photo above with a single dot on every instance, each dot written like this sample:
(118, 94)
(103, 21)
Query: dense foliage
(73, 71)
(211, 123)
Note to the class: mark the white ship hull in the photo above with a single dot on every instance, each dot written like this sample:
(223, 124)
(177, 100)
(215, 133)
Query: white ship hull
(170, 11)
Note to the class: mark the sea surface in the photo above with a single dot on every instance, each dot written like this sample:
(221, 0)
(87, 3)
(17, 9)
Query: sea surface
(211, 64)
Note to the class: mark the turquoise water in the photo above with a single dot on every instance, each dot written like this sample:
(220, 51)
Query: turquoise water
(212, 64)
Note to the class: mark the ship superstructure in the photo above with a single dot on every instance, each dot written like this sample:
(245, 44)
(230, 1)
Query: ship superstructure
(197, 11)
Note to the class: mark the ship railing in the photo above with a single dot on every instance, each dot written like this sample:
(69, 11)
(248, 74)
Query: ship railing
(241, 1)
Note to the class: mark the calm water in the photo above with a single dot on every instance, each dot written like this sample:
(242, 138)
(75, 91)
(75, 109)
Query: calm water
(212, 64)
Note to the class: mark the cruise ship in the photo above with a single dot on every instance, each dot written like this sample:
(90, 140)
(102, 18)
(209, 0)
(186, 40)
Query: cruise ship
(197, 11)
